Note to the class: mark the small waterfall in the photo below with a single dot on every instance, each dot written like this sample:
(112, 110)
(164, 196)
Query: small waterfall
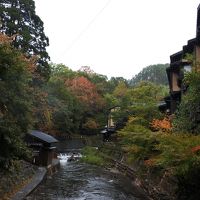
(67, 157)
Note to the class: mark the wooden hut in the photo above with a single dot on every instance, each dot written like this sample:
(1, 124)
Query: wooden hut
(43, 146)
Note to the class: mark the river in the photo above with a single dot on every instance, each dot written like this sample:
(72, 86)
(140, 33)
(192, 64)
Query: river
(80, 181)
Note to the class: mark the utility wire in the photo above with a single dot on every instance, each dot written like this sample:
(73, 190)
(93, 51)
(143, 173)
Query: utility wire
(75, 40)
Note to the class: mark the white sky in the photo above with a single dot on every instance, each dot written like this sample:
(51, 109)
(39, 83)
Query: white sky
(116, 37)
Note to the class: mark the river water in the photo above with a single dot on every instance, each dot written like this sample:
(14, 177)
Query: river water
(80, 181)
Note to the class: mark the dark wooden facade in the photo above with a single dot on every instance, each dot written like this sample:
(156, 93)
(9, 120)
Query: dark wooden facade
(179, 65)
(43, 146)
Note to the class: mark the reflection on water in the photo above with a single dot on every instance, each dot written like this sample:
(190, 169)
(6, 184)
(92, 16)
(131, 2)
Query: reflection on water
(79, 181)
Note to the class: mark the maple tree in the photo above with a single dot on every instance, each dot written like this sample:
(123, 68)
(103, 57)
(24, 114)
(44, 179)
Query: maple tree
(85, 91)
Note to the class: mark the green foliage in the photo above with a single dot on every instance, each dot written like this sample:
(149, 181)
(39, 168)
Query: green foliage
(176, 154)
(153, 73)
(187, 117)
(19, 18)
(101, 83)
(110, 100)
(115, 81)
(169, 151)
(144, 99)
(61, 71)
(146, 91)
(140, 101)
(15, 104)
(92, 156)
(138, 145)
(65, 109)
(137, 124)
(74, 102)
(176, 151)
(146, 111)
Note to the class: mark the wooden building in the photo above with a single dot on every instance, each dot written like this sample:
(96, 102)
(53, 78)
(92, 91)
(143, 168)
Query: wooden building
(44, 149)
(179, 65)
(111, 123)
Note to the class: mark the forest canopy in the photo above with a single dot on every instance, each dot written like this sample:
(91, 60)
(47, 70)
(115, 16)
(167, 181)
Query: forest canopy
(153, 73)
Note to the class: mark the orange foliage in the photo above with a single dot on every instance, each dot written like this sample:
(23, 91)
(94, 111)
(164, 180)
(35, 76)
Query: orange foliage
(40, 104)
(150, 162)
(30, 62)
(85, 91)
(6, 39)
(32, 65)
(164, 125)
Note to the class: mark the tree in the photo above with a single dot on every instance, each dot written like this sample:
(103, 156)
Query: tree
(153, 73)
(120, 90)
(114, 81)
(18, 18)
(147, 92)
(143, 100)
(187, 117)
(62, 71)
(91, 101)
(86, 69)
(15, 101)
(86, 92)
(101, 83)
(64, 109)
(121, 94)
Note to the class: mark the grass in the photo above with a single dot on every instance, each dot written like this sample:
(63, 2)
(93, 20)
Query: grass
(91, 155)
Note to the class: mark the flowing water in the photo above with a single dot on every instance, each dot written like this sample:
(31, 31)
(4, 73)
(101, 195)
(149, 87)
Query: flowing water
(80, 181)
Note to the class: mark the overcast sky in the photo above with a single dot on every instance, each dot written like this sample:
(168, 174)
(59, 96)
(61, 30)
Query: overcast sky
(116, 37)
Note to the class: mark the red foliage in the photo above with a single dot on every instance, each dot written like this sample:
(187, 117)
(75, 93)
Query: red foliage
(195, 149)
(85, 91)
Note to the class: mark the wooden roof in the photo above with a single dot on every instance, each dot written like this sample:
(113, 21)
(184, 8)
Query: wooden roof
(43, 137)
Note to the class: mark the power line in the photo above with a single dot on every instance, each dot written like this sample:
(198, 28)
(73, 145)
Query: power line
(86, 28)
